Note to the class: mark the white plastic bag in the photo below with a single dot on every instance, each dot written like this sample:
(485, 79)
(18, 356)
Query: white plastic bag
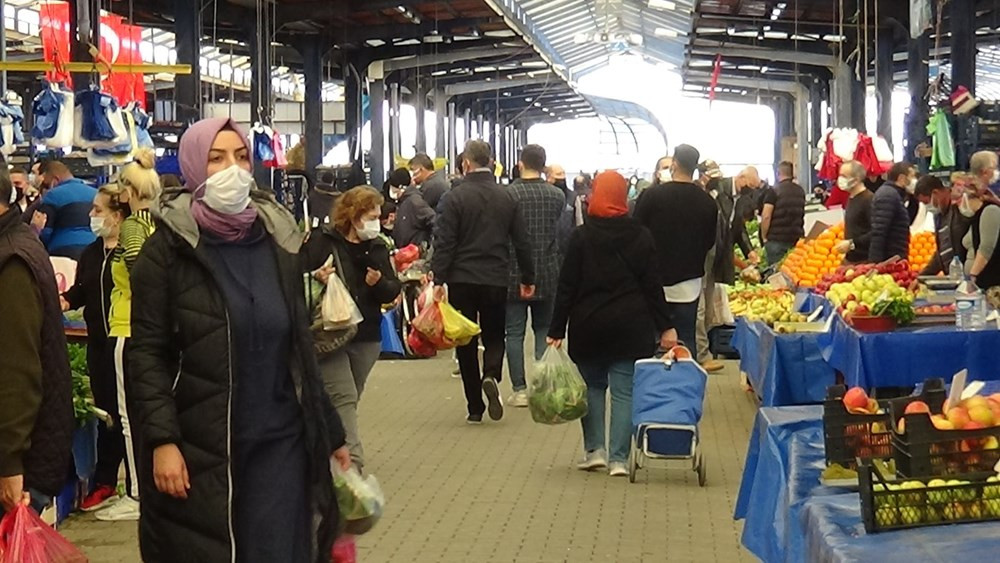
(360, 499)
(557, 393)
(338, 309)
(64, 131)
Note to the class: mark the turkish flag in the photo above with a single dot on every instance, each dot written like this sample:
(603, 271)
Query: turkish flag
(119, 43)
(716, 71)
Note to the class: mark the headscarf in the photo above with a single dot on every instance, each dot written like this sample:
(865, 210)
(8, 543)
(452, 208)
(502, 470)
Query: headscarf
(195, 145)
(609, 197)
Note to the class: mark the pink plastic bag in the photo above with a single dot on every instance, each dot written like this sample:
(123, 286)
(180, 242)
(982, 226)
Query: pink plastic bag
(25, 538)
(345, 550)
(429, 322)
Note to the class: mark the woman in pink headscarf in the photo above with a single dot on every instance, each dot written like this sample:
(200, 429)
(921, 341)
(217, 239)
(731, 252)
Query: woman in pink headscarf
(236, 434)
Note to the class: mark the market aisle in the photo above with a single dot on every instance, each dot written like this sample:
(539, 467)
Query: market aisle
(509, 492)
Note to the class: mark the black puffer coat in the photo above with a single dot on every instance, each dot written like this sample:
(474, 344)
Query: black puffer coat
(180, 387)
(890, 235)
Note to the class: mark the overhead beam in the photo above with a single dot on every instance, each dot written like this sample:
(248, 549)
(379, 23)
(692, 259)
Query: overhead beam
(797, 57)
(490, 85)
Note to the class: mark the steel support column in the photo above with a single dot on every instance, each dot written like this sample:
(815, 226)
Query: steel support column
(453, 138)
(395, 135)
(187, 38)
(376, 157)
(841, 98)
(963, 44)
(352, 110)
(468, 124)
(440, 132)
(480, 128)
(884, 83)
(420, 106)
(917, 78)
(312, 65)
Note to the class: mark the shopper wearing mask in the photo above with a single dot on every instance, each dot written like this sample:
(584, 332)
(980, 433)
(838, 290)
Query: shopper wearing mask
(890, 235)
(541, 205)
(950, 226)
(857, 215)
(139, 187)
(983, 166)
(351, 238)
(414, 218)
(63, 219)
(982, 264)
(433, 183)
(395, 184)
(92, 291)
(611, 296)
(22, 185)
(478, 222)
(581, 192)
(682, 219)
(36, 405)
(236, 431)
(782, 220)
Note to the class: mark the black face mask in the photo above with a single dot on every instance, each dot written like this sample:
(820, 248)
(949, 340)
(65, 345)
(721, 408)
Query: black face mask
(561, 184)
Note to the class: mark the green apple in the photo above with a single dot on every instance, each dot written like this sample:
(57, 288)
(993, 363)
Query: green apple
(992, 508)
(910, 515)
(938, 497)
(886, 517)
(992, 491)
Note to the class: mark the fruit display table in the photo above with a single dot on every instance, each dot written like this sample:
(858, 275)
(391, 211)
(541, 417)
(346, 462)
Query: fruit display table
(784, 369)
(907, 356)
(790, 516)
(783, 464)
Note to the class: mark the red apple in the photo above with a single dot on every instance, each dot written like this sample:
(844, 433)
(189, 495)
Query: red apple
(856, 398)
(917, 406)
(862, 311)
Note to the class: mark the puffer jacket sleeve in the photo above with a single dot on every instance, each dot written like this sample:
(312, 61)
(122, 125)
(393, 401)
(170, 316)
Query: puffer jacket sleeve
(153, 356)
(883, 211)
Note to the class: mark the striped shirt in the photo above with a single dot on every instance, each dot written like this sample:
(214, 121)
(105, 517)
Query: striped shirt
(135, 231)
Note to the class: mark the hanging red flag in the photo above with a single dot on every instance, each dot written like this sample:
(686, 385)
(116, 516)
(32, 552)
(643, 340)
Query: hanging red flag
(716, 70)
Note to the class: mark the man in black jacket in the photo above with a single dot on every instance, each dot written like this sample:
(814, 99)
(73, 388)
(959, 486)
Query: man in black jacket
(36, 408)
(682, 219)
(950, 226)
(433, 184)
(414, 219)
(472, 234)
(782, 220)
(857, 213)
(890, 222)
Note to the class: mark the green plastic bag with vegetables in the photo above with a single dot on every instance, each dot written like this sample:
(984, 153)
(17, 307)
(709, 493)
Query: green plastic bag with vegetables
(360, 499)
(557, 392)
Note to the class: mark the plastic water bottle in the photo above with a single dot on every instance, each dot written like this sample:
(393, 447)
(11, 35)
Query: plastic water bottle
(956, 271)
(970, 311)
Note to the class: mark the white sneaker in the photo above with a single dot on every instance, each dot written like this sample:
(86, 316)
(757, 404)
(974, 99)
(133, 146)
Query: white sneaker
(518, 399)
(456, 373)
(617, 469)
(596, 459)
(125, 509)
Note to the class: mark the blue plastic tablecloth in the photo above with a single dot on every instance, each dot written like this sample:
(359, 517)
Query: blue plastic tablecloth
(784, 461)
(811, 302)
(907, 356)
(784, 369)
(834, 533)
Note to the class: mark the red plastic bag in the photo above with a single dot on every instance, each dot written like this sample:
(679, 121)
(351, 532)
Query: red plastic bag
(345, 550)
(429, 322)
(419, 345)
(406, 256)
(25, 538)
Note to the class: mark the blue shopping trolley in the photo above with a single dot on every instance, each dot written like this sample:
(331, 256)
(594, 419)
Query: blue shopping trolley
(668, 396)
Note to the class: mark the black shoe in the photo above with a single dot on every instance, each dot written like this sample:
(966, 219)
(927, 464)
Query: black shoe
(494, 404)
(474, 419)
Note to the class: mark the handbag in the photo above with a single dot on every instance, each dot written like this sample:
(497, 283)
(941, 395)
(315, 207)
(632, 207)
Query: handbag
(326, 342)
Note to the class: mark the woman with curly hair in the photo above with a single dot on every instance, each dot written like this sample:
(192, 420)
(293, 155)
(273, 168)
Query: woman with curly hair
(361, 259)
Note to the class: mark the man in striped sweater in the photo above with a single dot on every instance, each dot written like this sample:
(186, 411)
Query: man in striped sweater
(64, 214)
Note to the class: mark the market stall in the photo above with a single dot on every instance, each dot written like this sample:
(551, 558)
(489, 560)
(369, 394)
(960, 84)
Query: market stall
(784, 369)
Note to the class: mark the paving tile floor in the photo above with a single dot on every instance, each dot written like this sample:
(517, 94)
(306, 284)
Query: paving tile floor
(509, 492)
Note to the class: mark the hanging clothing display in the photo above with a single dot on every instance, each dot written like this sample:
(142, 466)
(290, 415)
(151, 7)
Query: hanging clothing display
(261, 138)
(99, 121)
(278, 147)
(121, 154)
(11, 123)
(142, 121)
(52, 110)
(943, 153)
(838, 146)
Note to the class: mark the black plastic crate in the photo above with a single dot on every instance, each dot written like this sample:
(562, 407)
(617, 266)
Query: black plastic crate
(848, 437)
(720, 342)
(927, 501)
(925, 450)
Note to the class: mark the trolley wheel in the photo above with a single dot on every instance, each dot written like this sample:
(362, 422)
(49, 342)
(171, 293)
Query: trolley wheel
(701, 470)
(633, 461)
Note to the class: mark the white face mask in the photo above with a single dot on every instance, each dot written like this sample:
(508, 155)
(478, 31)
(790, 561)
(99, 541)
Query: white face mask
(844, 184)
(664, 175)
(369, 229)
(99, 226)
(933, 209)
(396, 193)
(228, 191)
(912, 186)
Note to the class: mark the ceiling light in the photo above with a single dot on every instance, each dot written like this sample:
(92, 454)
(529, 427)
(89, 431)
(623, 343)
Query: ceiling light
(665, 32)
(433, 39)
(663, 4)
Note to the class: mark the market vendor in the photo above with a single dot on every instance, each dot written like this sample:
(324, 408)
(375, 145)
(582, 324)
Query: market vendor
(858, 215)
(983, 263)
(950, 226)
